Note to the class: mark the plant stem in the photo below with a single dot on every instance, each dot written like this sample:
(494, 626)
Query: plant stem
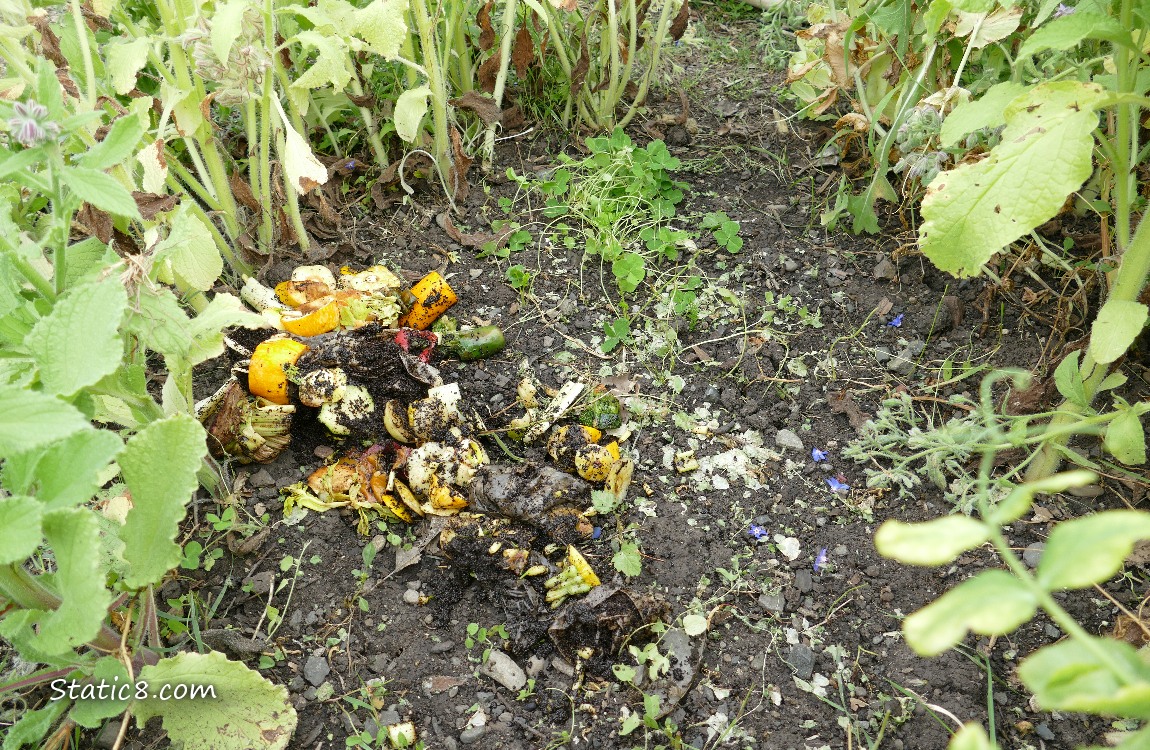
(428, 47)
(25, 590)
(86, 53)
(509, 7)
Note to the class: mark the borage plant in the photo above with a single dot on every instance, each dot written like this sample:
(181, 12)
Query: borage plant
(96, 466)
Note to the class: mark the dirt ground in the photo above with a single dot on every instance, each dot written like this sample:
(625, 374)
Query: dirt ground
(797, 655)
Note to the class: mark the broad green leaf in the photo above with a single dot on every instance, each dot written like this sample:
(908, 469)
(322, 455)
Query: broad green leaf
(381, 24)
(85, 260)
(1125, 439)
(101, 190)
(247, 711)
(974, 6)
(29, 419)
(31, 728)
(73, 535)
(409, 111)
(975, 210)
(79, 342)
(304, 171)
(1068, 380)
(1118, 323)
(1090, 550)
(1014, 505)
(694, 625)
(91, 713)
(1068, 31)
(161, 325)
(1069, 676)
(65, 473)
(124, 62)
(159, 465)
(970, 737)
(20, 534)
(332, 66)
(206, 330)
(932, 543)
(986, 28)
(117, 146)
(10, 298)
(628, 560)
(189, 252)
(984, 112)
(994, 602)
(227, 23)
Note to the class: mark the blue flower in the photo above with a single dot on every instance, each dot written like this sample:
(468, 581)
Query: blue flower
(818, 456)
(820, 560)
(896, 321)
(596, 532)
(837, 486)
(758, 532)
(1063, 10)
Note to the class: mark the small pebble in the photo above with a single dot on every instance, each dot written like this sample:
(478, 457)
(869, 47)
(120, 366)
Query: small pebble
(411, 596)
(442, 647)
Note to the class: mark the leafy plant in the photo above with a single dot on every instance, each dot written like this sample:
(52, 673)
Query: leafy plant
(725, 231)
(77, 327)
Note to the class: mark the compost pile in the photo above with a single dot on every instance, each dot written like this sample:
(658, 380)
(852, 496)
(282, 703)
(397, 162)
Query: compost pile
(360, 353)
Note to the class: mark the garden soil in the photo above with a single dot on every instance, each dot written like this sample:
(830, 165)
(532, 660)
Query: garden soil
(796, 654)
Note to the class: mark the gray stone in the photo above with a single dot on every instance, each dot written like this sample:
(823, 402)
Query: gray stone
(881, 354)
(1033, 553)
(772, 602)
(388, 716)
(802, 660)
(788, 439)
(442, 647)
(711, 395)
(106, 739)
(316, 669)
(503, 669)
(1043, 730)
(804, 580)
(261, 478)
(411, 596)
(471, 734)
(884, 269)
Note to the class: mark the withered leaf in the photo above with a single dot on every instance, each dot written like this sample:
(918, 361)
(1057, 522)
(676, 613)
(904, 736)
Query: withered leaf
(579, 72)
(483, 106)
(523, 53)
(243, 192)
(488, 72)
(486, 32)
(844, 403)
(95, 222)
(153, 204)
(679, 25)
(461, 163)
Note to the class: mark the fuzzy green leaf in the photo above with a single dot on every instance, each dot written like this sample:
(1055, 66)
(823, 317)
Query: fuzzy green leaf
(206, 331)
(33, 726)
(29, 419)
(409, 111)
(975, 210)
(64, 474)
(101, 190)
(1090, 550)
(124, 62)
(247, 710)
(1125, 439)
(92, 712)
(20, 534)
(332, 67)
(1118, 323)
(78, 343)
(1069, 676)
(933, 543)
(189, 252)
(227, 23)
(381, 24)
(1068, 31)
(73, 535)
(992, 603)
(159, 465)
(985, 112)
(304, 171)
(117, 146)
(85, 260)
(694, 625)
(1068, 380)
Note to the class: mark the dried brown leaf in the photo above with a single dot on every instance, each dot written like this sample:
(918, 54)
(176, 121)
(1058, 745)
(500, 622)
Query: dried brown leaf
(488, 72)
(486, 32)
(523, 52)
(844, 403)
(153, 204)
(95, 222)
(483, 106)
(679, 25)
(243, 192)
(460, 164)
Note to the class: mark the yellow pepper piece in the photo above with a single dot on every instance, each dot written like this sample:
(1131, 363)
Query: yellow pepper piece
(432, 297)
(266, 376)
(314, 323)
